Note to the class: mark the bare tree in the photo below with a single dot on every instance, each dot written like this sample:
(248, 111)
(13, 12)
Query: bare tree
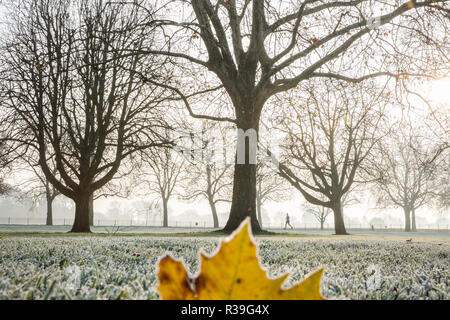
(162, 176)
(210, 181)
(207, 174)
(442, 193)
(269, 187)
(37, 186)
(70, 92)
(402, 176)
(252, 50)
(328, 136)
(4, 188)
(320, 213)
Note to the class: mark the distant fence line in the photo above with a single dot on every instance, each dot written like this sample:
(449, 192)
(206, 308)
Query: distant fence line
(203, 224)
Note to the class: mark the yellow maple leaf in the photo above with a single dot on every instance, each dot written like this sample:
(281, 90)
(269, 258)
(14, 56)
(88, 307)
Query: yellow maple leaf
(410, 4)
(232, 273)
(174, 282)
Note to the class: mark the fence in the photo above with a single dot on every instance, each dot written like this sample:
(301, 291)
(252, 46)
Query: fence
(208, 225)
(104, 222)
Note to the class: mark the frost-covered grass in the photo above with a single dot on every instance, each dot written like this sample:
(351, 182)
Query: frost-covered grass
(93, 267)
(160, 231)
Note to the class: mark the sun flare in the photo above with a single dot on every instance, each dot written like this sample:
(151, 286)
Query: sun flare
(439, 90)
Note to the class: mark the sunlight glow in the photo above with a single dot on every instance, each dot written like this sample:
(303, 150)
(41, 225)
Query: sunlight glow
(439, 90)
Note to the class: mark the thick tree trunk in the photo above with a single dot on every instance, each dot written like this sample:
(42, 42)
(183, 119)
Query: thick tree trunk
(406, 211)
(321, 225)
(81, 223)
(413, 220)
(49, 221)
(214, 213)
(339, 225)
(243, 203)
(91, 210)
(165, 213)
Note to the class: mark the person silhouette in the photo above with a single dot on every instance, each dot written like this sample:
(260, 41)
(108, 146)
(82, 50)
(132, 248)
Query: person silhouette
(287, 222)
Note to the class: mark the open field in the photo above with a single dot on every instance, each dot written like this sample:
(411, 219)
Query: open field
(123, 266)
(38, 230)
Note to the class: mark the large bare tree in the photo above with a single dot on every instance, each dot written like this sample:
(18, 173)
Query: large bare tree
(70, 92)
(328, 136)
(251, 50)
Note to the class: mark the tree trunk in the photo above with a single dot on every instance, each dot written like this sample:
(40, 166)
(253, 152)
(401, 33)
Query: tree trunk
(413, 220)
(81, 223)
(212, 204)
(258, 210)
(91, 210)
(214, 213)
(49, 221)
(243, 203)
(339, 225)
(165, 213)
(322, 218)
(406, 211)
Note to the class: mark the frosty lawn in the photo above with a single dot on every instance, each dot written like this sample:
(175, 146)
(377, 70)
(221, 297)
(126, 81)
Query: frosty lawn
(117, 267)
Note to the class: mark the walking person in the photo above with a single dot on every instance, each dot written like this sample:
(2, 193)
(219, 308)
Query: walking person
(287, 222)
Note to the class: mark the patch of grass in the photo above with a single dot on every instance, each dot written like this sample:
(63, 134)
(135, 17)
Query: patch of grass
(207, 234)
(105, 266)
(220, 234)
